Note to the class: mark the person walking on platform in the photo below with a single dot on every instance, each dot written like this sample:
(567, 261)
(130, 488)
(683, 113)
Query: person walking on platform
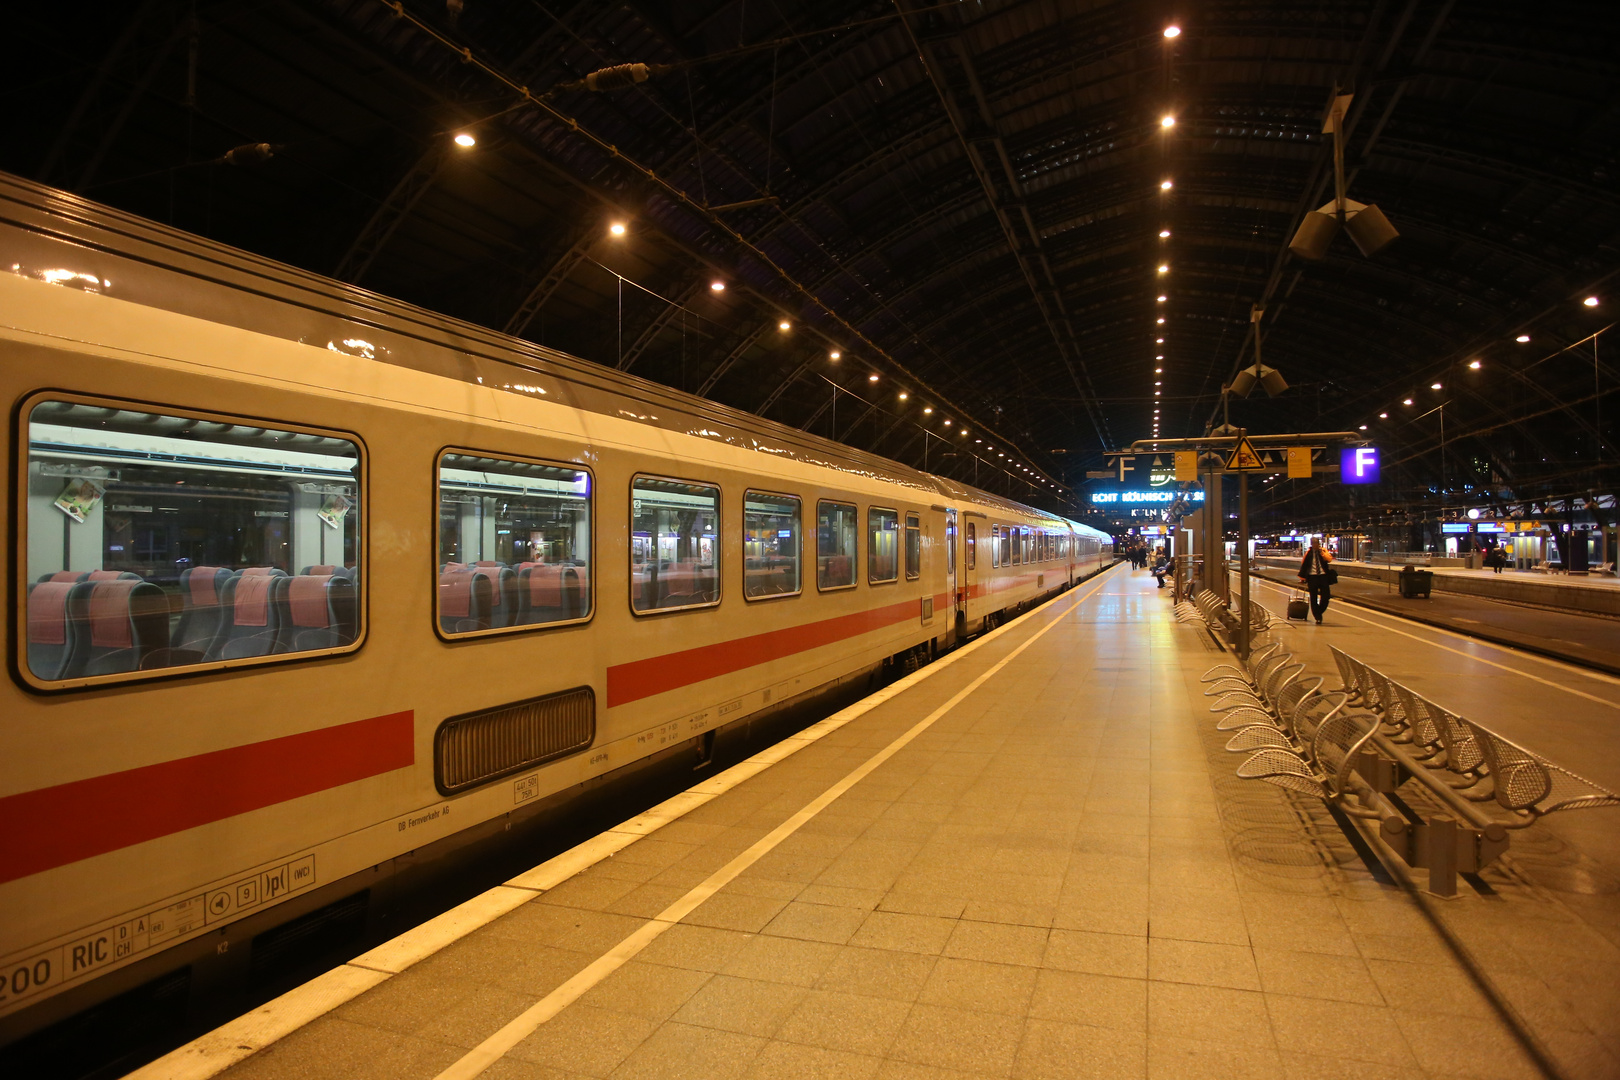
(1316, 571)
(1496, 559)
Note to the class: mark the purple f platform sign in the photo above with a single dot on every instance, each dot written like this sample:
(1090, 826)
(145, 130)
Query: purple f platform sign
(1358, 465)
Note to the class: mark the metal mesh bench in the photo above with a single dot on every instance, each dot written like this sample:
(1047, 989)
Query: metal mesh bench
(1364, 740)
(1529, 786)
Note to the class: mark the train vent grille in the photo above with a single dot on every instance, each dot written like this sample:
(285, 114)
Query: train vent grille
(478, 747)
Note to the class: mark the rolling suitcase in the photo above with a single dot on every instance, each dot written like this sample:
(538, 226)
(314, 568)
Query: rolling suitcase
(1298, 608)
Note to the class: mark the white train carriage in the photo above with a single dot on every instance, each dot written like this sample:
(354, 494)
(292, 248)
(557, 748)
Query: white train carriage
(307, 584)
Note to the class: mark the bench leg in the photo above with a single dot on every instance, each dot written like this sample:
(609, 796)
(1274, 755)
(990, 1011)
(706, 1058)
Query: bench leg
(1443, 856)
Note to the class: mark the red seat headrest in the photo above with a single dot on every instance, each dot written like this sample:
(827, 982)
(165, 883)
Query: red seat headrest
(47, 613)
(306, 598)
(110, 626)
(252, 601)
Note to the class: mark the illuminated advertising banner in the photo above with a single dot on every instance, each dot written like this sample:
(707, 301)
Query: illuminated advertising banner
(1139, 498)
(1358, 465)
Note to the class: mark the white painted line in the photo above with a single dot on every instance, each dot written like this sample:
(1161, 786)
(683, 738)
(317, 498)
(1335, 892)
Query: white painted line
(495, 1047)
(236, 1040)
(1610, 701)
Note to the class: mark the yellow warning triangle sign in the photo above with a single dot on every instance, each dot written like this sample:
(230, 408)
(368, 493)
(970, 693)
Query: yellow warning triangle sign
(1243, 457)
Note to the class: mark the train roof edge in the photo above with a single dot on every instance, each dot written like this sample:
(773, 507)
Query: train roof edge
(42, 219)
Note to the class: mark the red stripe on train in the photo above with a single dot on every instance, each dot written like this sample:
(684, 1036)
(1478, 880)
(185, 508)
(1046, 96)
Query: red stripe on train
(657, 674)
(54, 826)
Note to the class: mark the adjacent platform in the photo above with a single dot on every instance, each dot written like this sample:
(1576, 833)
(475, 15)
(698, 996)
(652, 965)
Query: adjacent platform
(1557, 616)
(1030, 859)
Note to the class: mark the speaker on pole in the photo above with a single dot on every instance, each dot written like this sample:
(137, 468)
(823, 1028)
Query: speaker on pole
(1369, 228)
(1315, 233)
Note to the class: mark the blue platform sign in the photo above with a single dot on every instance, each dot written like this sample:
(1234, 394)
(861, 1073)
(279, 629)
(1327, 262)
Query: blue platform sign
(1358, 465)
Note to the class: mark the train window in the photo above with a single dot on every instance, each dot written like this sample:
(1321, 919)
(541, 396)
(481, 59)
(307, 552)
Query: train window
(1016, 542)
(1004, 545)
(950, 544)
(835, 545)
(157, 542)
(674, 544)
(514, 544)
(770, 545)
(972, 546)
(882, 545)
(913, 547)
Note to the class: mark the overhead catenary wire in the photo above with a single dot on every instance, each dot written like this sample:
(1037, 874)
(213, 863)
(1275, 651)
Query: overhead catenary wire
(681, 197)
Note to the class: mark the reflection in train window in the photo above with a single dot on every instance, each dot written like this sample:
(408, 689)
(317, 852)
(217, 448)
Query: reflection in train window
(882, 545)
(770, 545)
(1013, 535)
(835, 545)
(972, 547)
(674, 544)
(913, 548)
(156, 541)
(514, 544)
(1004, 545)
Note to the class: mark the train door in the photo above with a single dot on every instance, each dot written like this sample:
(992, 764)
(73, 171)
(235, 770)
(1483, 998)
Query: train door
(970, 566)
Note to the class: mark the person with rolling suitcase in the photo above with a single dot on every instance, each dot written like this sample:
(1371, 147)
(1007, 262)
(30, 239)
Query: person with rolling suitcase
(1316, 573)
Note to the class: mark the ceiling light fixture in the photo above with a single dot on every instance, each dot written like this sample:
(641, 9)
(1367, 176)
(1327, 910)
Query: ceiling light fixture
(1172, 31)
(784, 325)
(904, 395)
(1473, 365)
(1408, 401)
(1164, 234)
(1590, 301)
(718, 286)
(871, 378)
(1164, 269)
(1167, 185)
(1161, 320)
(465, 141)
(1162, 299)
(1522, 338)
(834, 355)
(1383, 416)
(1434, 386)
(928, 410)
(617, 228)
(1168, 122)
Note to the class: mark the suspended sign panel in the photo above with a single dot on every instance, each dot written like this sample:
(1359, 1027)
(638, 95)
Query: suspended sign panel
(1137, 498)
(1358, 465)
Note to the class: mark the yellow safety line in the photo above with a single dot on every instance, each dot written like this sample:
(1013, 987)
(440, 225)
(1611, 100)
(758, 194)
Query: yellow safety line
(495, 1047)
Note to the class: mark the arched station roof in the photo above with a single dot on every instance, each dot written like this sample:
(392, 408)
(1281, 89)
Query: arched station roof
(965, 200)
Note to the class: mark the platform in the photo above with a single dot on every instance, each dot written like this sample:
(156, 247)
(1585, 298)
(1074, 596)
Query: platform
(1591, 594)
(1541, 623)
(1030, 859)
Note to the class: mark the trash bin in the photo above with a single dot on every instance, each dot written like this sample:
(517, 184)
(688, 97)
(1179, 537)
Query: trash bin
(1415, 582)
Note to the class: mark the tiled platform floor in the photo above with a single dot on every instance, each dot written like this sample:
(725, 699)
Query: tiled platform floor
(1060, 878)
